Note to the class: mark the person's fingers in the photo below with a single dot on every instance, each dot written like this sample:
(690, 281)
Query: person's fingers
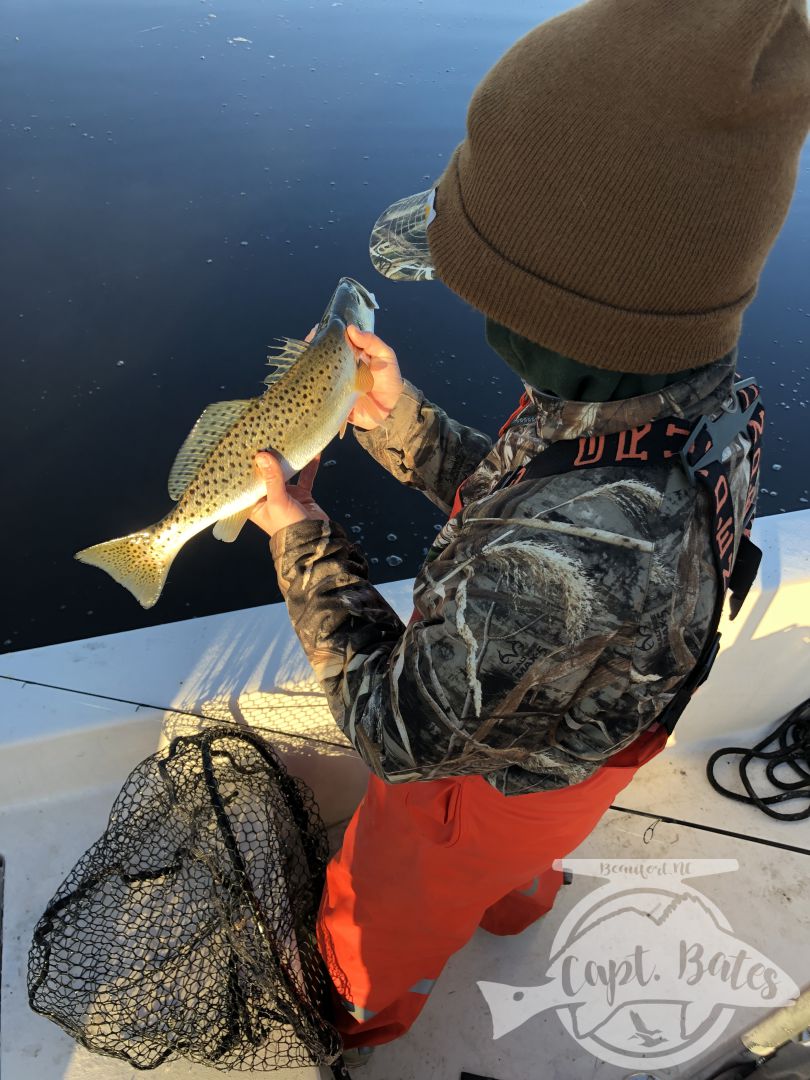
(379, 412)
(307, 476)
(367, 410)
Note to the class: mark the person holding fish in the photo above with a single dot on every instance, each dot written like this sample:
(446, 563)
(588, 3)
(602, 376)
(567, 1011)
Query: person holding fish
(626, 170)
(625, 173)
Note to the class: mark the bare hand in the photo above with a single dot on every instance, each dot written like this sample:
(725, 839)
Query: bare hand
(373, 408)
(285, 504)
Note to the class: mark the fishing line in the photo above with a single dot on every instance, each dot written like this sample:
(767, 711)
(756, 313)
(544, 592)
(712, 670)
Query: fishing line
(176, 710)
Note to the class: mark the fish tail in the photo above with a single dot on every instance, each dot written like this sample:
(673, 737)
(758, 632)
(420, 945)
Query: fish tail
(139, 562)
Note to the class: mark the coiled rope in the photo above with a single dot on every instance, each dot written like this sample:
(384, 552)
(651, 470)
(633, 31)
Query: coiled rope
(792, 751)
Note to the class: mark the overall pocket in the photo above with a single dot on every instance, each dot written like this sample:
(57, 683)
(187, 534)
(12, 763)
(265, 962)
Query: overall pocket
(434, 809)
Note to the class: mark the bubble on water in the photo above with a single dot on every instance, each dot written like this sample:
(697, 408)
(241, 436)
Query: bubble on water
(393, 560)
(120, 363)
(239, 41)
(391, 536)
(374, 560)
(326, 464)
(243, 243)
(356, 529)
(776, 468)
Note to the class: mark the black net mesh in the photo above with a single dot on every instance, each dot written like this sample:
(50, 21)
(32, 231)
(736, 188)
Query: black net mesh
(189, 927)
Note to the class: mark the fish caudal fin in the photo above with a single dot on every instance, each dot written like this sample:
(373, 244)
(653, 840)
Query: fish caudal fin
(139, 562)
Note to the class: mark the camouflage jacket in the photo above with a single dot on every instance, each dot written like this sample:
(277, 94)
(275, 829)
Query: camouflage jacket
(557, 616)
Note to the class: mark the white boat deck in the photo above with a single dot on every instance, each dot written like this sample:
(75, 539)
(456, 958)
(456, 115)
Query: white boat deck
(77, 717)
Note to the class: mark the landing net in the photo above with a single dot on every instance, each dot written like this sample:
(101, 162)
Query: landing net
(187, 929)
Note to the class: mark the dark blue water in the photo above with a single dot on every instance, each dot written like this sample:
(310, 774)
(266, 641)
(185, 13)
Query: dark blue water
(183, 181)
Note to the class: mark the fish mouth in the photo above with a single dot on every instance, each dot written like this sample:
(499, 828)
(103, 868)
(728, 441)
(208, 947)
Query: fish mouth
(363, 292)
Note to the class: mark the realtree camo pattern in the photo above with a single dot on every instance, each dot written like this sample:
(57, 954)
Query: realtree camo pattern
(398, 245)
(557, 617)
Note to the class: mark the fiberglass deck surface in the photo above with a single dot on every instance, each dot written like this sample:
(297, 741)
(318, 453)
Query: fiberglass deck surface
(77, 718)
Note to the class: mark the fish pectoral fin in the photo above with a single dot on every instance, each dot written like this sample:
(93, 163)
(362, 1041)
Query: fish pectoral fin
(343, 427)
(228, 528)
(213, 423)
(364, 380)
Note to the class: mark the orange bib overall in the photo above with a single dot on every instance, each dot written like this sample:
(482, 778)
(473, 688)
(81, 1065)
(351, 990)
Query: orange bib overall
(424, 864)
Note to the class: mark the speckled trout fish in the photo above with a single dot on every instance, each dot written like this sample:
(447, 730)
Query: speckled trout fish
(213, 480)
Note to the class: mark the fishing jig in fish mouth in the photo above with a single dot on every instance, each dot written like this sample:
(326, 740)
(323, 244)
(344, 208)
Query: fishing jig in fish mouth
(310, 392)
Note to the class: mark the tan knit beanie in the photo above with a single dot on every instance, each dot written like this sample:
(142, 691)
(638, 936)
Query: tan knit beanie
(626, 170)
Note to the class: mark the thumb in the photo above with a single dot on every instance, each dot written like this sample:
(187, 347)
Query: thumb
(270, 471)
(366, 341)
(360, 338)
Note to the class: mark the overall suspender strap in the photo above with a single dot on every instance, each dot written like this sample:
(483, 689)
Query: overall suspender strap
(700, 451)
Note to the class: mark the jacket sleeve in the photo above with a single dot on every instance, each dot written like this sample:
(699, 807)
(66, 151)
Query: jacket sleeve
(424, 448)
(508, 625)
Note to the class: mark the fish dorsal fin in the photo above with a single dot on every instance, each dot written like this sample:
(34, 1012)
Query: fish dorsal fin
(287, 355)
(214, 421)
